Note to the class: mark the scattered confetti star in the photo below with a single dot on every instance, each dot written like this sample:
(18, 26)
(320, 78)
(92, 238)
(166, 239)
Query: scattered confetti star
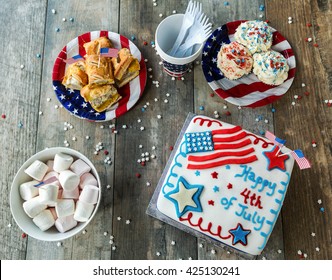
(313, 234)
(158, 254)
(317, 249)
(197, 173)
(201, 245)
(173, 242)
(211, 202)
(118, 218)
(213, 252)
(229, 186)
(216, 189)
(127, 222)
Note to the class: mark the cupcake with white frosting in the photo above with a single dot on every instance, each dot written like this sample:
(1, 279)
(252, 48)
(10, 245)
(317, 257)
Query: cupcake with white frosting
(270, 67)
(234, 60)
(256, 35)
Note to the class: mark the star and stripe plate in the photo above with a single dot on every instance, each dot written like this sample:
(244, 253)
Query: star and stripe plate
(247, 91)
(72, 100)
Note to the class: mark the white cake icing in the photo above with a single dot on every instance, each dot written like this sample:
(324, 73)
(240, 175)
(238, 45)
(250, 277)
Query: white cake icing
(237, 202)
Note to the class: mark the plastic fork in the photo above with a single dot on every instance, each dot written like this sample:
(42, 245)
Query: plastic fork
(188, 21)
(197, 35)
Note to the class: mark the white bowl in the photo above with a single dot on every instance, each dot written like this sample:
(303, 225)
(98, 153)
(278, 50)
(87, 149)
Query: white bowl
(16, 202)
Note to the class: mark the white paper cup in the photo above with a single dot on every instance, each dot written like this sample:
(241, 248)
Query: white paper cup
(166, 34)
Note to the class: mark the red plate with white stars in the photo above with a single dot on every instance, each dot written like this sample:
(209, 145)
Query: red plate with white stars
(74, 102)
(247, 91)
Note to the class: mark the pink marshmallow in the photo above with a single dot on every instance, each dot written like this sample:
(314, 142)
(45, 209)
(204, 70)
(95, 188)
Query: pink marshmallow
(87, 179)
(74, 194)
(79, 167)
(89, 194)
(66, 223)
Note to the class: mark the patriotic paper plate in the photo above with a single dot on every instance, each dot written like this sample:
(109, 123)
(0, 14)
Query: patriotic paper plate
(247, 91)
(72, 100)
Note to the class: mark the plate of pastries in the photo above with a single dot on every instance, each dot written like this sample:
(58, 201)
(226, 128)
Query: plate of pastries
(99, 75)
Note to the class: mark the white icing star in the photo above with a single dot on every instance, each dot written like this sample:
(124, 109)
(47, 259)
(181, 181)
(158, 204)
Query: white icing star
(184, 197)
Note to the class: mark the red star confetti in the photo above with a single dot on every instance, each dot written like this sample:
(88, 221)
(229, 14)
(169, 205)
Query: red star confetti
(138, 175)
(229, 186)
(212, 94)
(171, 148)
(24, 235)
(3, 116)
(309, 24)
(316, 45)
(211, 202)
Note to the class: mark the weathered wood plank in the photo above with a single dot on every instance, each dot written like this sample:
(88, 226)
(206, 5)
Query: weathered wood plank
(309, 120)
(88, 16)
(21, 32)
(145, 236)
(246, 117)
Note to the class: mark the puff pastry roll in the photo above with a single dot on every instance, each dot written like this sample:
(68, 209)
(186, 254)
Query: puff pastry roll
(93, 47)
(75, 76)
(132, 73)
(99, 70)
(102, 97)
(122, 62)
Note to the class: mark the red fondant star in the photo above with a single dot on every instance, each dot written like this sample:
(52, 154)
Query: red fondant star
(229, 186)
(276, 160)
(211, 202)
(214, 175)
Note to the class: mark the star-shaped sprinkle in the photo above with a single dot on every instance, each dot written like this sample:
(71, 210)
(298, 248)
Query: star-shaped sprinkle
(216, 189)
(185, 197)
(276, 160)
(214, 175)
(211, 202)
(173, 242)
(239, 235)
(229, 186)
(197, 173)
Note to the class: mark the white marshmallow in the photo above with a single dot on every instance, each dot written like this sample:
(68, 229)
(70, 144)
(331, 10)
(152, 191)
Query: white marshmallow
(66, 223)
(89, 194)
(28, 190)
(68, 180)
(50, 164)
(50, 175)
(74, 194)
(44, 220)
(62, 162)
(52, 209)
(37, 170)
(83, 211)
(49, 194)
(65, 207)
(33, 207)
(79, 167)
(88, 179)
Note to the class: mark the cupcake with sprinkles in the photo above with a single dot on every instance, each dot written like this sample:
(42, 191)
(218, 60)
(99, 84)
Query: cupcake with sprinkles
(256, 35)
(234, 60)
(270, 67)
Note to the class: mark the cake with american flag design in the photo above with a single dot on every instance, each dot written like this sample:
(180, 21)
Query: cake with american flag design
(225, 184)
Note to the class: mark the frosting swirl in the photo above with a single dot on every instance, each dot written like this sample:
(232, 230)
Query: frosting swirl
(256, 35)
(271, 67)
(234, 60)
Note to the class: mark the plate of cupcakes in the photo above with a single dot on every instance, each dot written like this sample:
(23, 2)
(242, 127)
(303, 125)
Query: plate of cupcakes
(248, 63)
(99, 75)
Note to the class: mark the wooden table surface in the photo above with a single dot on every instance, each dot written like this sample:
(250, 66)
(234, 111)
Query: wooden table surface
(28, 28)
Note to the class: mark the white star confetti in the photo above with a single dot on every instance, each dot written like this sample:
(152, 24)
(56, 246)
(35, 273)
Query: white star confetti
(173, 243)
(158, 254)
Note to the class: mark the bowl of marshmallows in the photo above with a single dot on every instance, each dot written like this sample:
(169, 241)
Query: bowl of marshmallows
(55, 194)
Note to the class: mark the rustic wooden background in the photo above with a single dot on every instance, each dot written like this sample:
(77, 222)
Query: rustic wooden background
(28, 28)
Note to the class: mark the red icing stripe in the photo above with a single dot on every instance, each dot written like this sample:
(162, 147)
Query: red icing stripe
(223, 162)
(209, 122)
(208, 229)
(225, 146)
(221, 154)
(236, 137)
(81, 41)
(227, 130)
(231, 26)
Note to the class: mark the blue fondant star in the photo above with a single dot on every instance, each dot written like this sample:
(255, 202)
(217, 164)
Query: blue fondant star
(185, 197)
(197, 173)
(216, 189)
(239, 234)
(228, 167)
